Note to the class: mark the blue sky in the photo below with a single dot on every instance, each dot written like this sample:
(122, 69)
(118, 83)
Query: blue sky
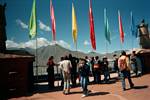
(18, 14)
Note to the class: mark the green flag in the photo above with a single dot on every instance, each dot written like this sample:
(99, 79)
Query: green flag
(107, 31)
(32, 24)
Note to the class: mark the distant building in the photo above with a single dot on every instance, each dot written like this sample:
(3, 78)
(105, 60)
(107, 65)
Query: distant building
(144, 55)
(16, 74)
(144, 35)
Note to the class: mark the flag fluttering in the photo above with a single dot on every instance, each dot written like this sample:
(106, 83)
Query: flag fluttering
(53, 24)
(92, 32)
(133, 27)
(33, 22)
(120, 28)
(74, 25)
(107, 31)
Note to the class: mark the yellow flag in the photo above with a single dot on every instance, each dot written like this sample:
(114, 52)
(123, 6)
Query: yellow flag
(74, 25)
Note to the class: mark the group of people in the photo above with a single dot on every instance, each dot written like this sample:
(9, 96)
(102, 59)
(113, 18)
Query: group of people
(73, 68)
(136, 63)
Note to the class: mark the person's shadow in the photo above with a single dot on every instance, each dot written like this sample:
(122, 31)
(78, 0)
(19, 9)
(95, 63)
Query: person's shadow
(140, 87)
(98, 93)
(91, 93)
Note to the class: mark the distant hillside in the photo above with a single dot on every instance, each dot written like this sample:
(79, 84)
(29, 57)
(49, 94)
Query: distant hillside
(57, 51)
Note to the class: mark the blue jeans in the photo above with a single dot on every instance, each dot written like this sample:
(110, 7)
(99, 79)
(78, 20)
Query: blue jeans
(84, 83)
(106, 76)
(126, 74)
(134, 68)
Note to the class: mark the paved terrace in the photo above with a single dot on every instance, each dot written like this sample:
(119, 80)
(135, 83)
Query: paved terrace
(111, 91)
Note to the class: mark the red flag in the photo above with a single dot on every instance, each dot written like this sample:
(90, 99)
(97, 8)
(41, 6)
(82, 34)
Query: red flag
(120, 28)
(92, 32)
(53, 21)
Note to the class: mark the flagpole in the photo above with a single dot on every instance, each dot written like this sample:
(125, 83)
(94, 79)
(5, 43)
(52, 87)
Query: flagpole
(33, 33)
(107, 35)
(132, 43)
(106, 46)
(56, 65)
(132, 28)
(53, 31)
(121, 45)
(36, 57)
(77, 49)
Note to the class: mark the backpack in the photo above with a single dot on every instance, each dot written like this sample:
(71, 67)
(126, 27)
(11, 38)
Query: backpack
(84, 70)
(122, 64)
(96, 64)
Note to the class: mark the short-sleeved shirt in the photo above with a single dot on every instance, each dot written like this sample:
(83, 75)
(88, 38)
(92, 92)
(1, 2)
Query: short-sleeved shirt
(66, 66)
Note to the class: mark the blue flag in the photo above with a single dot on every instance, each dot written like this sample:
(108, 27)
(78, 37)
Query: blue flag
(133, 27)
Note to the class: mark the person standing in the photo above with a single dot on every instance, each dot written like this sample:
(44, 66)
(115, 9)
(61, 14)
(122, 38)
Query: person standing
(139, 65)
(61, 72)
(105, 69)
(116, 65)
(83, 70)
(50, 71)
(124, 67)
(88, 62)
(74, 62)
(133, 62)
(92, 65)
(96, 70)
(66, 70)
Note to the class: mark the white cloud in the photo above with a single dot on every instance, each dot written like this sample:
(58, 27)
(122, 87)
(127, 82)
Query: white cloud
(22, 24)
(11, 44)
(86, 43)
(32, 43)
(63, 44)
(44, 27)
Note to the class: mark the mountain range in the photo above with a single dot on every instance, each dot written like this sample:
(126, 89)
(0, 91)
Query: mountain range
(43, 53)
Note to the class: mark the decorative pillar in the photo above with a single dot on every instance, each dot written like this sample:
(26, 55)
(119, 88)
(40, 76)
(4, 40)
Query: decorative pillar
(3, 36)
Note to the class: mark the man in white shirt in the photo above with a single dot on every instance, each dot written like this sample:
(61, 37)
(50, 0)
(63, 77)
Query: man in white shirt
(66, 66)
